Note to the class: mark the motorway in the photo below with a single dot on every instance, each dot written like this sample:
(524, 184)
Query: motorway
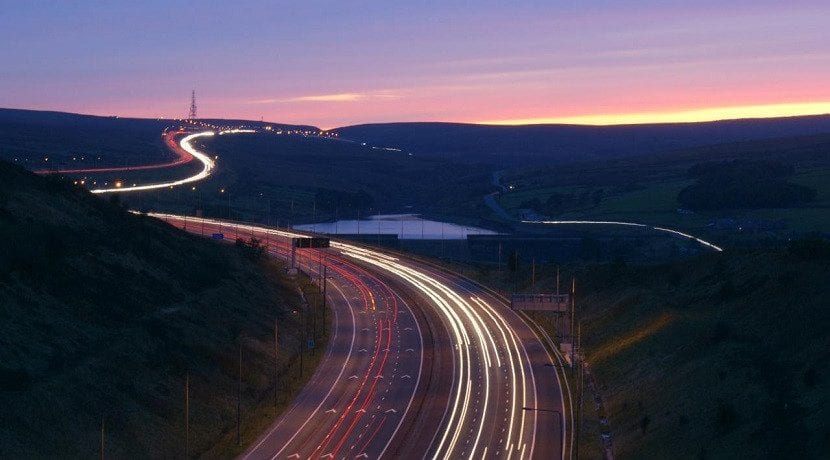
(421, 363)
(182, 157)
(185, 152)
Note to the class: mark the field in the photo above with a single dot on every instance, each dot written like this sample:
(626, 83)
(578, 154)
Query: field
(645, 189)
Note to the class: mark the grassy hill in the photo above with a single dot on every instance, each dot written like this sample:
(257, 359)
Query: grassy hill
(646, 188)
(103, 314)
(721, 356)
(303, 178)
(510, 146)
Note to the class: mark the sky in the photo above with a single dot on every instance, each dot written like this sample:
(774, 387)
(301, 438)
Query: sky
(337, 63)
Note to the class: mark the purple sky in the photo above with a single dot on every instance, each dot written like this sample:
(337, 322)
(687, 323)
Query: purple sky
(338, 63)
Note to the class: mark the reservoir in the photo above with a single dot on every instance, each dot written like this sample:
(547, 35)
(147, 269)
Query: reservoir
(406, 226)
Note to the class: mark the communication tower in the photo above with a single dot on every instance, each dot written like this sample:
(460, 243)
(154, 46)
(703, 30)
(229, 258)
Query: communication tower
(192, 115)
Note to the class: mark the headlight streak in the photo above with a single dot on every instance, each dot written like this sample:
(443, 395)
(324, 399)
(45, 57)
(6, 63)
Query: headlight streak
(207, 167)
(513, 394)
(429, 285)
(627, 224)
(448, 302)
(236, 131)
(391, 304)
(462, 361)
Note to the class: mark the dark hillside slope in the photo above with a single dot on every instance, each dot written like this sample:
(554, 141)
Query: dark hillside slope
(535, 144)
(30, 137)
(721, 356)
(70, 140)
(102, 314)
(725, 356)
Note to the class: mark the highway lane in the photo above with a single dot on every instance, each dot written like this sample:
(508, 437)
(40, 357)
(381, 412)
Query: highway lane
(499, 368)
(357, 399)
(503, 399)
(548, 400)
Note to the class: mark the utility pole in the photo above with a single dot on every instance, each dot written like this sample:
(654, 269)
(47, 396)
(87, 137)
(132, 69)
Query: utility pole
(276, 356)
(187, 415)
(325, 282)
(442, 240)
(573, 310)
(557, 280)
(102, 437)
(303, 335)
(239, 399)
(533, 275)
(558, 318)
(581, 375)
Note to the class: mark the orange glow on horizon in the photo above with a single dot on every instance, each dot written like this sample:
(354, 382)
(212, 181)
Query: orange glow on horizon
(678, 116)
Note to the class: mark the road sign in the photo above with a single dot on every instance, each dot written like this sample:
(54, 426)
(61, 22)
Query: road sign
(540, 302)
(316, 242)
(310, 344)
(217, 236)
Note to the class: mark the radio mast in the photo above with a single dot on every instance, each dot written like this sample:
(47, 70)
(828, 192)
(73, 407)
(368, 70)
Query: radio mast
(192, 115)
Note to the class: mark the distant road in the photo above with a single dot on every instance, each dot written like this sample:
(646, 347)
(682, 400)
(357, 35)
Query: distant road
(421, 363)
(182, 157)
(491, 199)
(183, 149)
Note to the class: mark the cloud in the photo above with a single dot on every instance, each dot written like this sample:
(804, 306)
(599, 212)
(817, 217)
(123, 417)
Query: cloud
(338, 97)
(341, 97)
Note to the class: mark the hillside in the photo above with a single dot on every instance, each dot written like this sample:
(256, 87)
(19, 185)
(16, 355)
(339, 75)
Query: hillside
(104, 313)
(331, 178)
(720, 356)
(537, 144)
(47, 140)
(647, 188)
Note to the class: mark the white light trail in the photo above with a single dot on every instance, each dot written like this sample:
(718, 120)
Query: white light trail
(476, 343)
(627, 224)
(450, 304)
(236, 131)
(207, 167)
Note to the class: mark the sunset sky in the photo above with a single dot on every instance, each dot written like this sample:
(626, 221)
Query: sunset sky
(339, 63)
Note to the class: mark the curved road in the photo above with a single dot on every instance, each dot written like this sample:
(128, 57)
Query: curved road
(182, 157)
(185, 153)
(421, 363)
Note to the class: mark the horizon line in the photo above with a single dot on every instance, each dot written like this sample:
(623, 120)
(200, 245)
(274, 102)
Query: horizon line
(703, 115)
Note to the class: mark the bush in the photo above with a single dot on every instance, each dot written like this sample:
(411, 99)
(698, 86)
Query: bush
(253, 249)
(742, 184)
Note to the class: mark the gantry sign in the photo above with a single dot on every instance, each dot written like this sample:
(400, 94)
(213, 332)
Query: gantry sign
(305, 242)
(540, 302)
(310, 242)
